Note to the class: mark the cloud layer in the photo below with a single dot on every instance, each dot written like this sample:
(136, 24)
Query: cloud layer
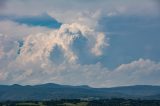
(72, 53)
(57, 56)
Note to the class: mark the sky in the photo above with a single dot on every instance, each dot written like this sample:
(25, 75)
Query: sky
(100, 43)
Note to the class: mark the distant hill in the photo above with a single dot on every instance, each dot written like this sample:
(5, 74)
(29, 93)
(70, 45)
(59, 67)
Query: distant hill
(55, 91)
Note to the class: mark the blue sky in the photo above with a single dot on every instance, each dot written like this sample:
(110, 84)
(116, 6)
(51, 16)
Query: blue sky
(132, 37)
(80, 42)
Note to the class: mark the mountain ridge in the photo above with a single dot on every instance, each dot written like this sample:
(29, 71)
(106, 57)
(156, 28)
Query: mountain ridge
(51, 91)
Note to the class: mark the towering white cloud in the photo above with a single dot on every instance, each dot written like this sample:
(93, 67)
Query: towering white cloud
(40, 46)
(33, 65)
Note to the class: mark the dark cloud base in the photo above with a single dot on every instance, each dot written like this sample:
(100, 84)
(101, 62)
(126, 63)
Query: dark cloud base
(40, 20)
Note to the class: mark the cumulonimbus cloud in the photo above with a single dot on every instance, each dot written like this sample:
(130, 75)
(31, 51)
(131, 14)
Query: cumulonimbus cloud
(33, 54)
(40, 46)
(33, 63)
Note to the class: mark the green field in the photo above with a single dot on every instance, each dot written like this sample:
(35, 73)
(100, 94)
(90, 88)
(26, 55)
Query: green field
(77, 102)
